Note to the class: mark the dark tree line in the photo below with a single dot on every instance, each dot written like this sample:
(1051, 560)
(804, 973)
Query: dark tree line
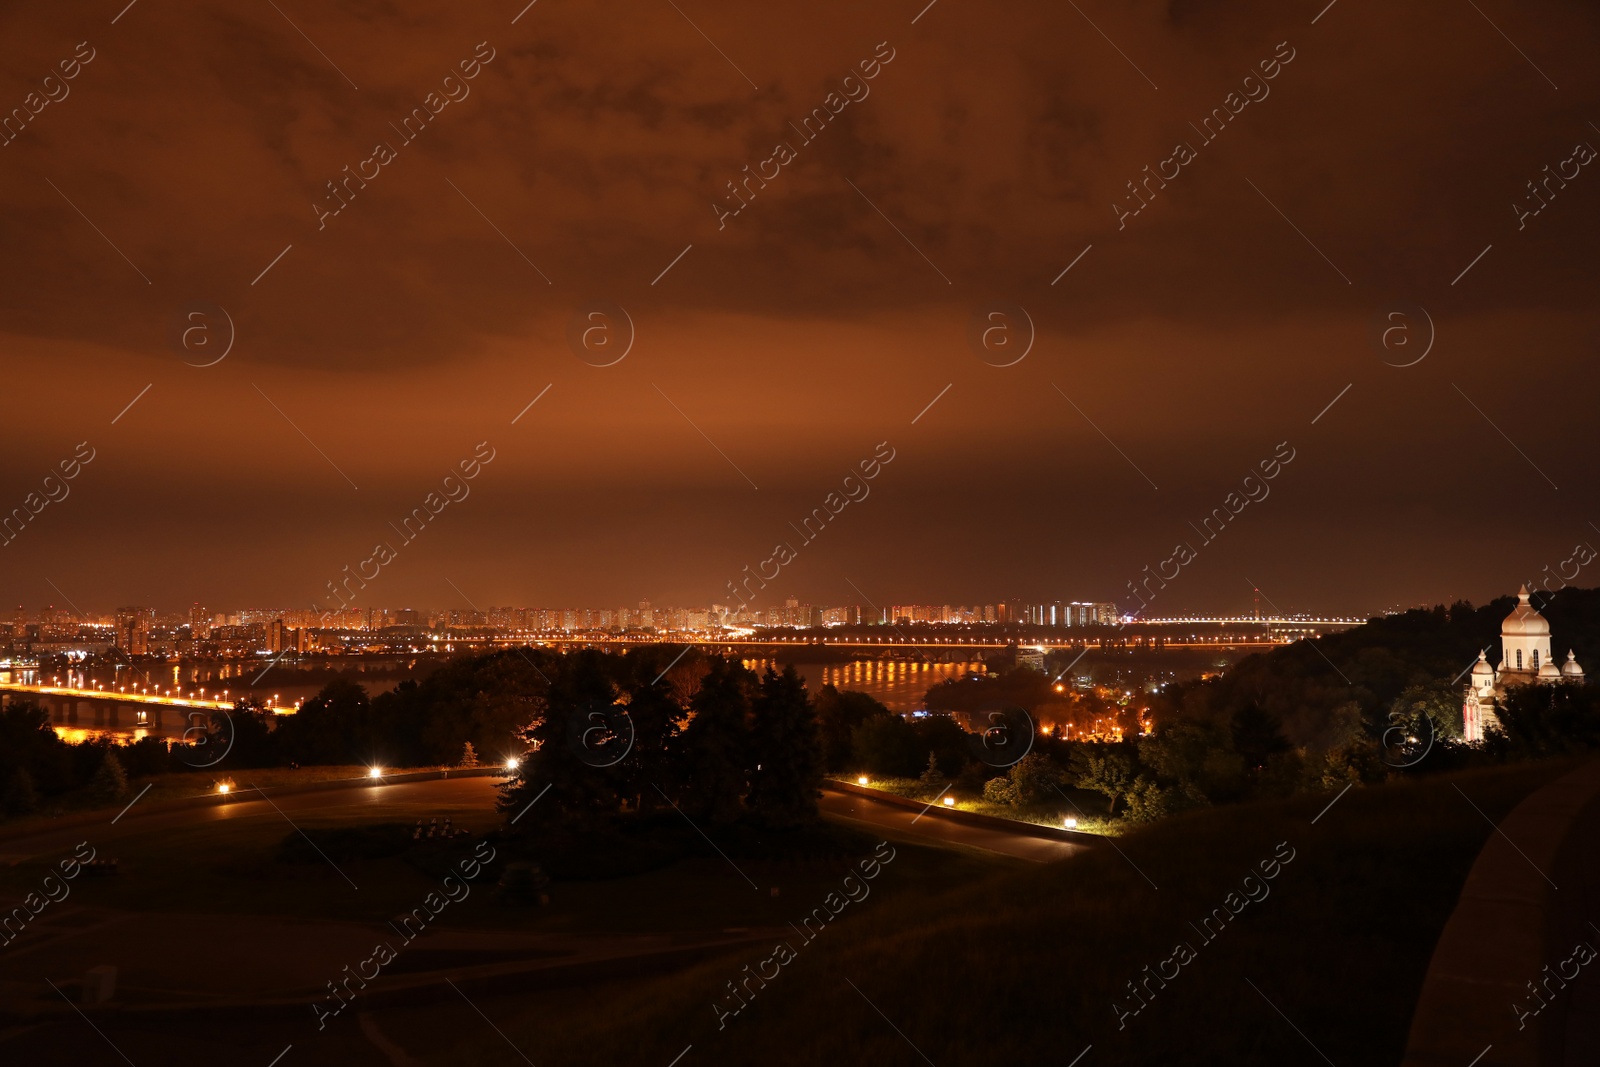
(613, 737)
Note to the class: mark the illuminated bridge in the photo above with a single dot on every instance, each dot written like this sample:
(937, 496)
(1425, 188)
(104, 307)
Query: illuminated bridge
(112, 709)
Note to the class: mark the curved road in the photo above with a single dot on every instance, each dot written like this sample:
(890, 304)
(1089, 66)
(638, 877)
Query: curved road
(374, 802)
(932, 829)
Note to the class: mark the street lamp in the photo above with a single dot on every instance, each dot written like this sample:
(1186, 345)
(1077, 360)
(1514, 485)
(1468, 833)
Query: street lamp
(861, 780)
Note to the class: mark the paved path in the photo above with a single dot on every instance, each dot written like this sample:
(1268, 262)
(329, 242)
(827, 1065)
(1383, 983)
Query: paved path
(933, 830)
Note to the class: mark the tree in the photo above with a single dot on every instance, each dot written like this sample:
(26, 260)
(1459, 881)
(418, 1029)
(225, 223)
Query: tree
(786, 751)
(332, 727)
(887, 746)
(1196, 758)
(248, 731)
(715, 746)
(1110, 772)
(944, 737)
(27, 740)
(1257, 735)
(469, 755)
(838, 714)
(1439, 703)
(488, 700)
(1539, 721)
(931, 778)
(582, 792)
(653, 716)
(1147, 801)
(110, 782)
(1035, 778)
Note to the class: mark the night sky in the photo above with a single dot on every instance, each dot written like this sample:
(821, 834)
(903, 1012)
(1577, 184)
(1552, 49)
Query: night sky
(1378, 165)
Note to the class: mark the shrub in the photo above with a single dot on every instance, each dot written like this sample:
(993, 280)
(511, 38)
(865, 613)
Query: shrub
(1000, 791)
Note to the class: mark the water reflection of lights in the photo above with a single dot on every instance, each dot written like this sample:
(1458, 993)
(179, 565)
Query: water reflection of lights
(74, 735)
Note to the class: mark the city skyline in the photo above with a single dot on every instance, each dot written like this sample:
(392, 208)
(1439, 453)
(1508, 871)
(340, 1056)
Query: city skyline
(1064, 613)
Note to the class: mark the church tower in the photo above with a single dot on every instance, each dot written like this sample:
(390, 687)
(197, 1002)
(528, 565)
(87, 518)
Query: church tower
(1524, 644)
(1525, 659)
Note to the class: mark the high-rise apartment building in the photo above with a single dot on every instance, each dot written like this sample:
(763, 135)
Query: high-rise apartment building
(133, 626)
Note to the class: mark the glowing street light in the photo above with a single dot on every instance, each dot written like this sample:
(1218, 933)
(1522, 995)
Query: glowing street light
(223, 787)
(1070, 822)
(949, 802)
(375, 772)
(861, 780)
(513, 763)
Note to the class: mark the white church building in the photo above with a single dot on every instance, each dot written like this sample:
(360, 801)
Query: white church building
(1525, 659)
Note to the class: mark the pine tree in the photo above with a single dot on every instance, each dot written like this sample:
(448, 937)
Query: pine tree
(788, 752)
(21, 798)
(931, 777)
(469, 755)
(110, 782)
(715, 749)
(562, 762)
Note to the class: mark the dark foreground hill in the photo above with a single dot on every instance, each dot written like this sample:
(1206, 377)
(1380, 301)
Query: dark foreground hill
(1323, 927)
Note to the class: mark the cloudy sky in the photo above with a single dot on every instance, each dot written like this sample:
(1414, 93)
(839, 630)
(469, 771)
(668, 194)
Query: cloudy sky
(585, 164)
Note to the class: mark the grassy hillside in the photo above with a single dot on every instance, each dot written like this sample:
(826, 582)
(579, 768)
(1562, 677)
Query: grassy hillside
(1023, 968)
